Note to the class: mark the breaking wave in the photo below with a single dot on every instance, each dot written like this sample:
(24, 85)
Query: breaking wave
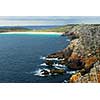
(68, 40)
(39, 72)
(45, 58)
(59, 65)
(43, 64)
(70, 72)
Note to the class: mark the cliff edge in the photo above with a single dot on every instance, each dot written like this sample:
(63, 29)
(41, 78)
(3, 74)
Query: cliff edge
(82, 54)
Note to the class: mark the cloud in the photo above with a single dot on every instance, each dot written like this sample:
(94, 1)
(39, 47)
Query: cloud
(47, 20)
(26, 23)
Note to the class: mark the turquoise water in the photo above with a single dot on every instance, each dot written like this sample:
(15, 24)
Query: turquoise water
(20, 57)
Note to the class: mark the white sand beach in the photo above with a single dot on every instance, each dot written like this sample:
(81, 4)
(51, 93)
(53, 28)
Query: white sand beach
(44, 33)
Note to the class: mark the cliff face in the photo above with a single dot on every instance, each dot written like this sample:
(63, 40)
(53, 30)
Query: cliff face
(90, 50)
(91, 77)
(82, 54)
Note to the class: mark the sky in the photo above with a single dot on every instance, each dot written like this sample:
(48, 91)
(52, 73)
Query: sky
(47, 20)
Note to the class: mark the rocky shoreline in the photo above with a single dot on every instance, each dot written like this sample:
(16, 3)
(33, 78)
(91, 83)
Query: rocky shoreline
(75, 57)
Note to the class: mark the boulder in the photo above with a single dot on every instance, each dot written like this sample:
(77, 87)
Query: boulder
(63, 62)
(83, 71)
(74, 78)
(49, 62)
(58, 55)
(90, 61)
(45, 72)
(57, 71)
(52, 72)
(75, 62)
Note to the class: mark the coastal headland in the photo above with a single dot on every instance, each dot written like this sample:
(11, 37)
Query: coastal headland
(82, 55)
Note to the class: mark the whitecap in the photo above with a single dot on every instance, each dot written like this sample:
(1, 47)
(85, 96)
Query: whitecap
(56, 59)
(39, 72)
(52, 59)
(68, 40)
(70, 72)
(43, 64)
(65, 81)
(59, 65)
(43, 58)
(46, 58)
(61, 59)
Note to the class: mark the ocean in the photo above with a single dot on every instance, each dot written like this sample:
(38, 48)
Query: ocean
(21, 57)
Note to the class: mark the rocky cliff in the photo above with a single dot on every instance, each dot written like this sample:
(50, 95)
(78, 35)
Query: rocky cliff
(82, 54)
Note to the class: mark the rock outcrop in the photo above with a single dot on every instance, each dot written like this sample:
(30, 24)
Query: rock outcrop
(58, 55)
(91, 77)
(82, 56)
(52, 72)
(57, 71)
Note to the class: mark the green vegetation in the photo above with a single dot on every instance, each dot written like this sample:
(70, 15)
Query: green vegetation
(65, 28)
(14, 29)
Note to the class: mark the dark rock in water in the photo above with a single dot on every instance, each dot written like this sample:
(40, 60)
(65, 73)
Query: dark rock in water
(45, 72)
(65, 54)
(49, 62)
(57, 71)
(62, 62)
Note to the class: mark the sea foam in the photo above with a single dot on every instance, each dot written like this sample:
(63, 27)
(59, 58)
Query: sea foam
(39, 73)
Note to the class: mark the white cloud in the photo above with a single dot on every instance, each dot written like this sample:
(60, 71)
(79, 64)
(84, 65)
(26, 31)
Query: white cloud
(25, 23)
(46, 20)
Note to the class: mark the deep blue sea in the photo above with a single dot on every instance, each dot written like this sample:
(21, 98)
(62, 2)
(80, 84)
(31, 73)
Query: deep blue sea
(20, 57)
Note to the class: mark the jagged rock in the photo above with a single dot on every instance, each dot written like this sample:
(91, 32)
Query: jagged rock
(52, 72)
(93, 76)
(75, 62)
(81, 54)
(84, 79)
(49, 62)
(67, 52)
(57, 71)
(63, 62)
(83, 71)
(90, 61)
(75, 77)
(71, 35)
(58, 55)
(45, 72)
(73, 44)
